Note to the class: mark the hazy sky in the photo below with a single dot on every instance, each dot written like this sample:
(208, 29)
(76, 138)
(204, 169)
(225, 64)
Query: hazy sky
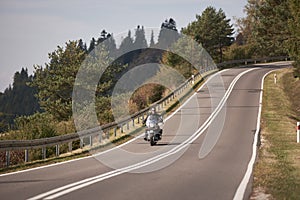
(30, 29)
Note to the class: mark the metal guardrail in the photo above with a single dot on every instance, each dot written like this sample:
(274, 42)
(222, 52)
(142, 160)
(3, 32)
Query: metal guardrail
(103, 132)
(252, 61)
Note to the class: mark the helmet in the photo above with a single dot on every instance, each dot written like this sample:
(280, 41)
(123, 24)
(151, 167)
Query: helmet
(152, 111)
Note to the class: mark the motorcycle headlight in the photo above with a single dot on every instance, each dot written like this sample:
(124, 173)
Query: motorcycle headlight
(152, 125)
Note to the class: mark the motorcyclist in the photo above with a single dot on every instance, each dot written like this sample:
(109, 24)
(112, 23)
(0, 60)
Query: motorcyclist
(153, 116)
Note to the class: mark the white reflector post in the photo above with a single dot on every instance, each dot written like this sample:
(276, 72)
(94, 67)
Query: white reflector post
(298, 132)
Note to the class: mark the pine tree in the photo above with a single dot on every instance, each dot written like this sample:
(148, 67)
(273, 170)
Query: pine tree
(55, 82)
(272, 31)
(168, 34)
(140, 41)
(82, 45)
(92, 45)
(213, 31)
(152, 43)
(18, 100)
(111, 45)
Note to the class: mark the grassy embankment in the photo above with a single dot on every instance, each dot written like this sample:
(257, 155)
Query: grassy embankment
(277, 171)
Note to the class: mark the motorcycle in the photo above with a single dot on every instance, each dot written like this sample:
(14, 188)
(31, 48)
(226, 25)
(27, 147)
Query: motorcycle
(154, 130)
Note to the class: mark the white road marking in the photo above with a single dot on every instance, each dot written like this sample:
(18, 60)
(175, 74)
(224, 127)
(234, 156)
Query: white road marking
(239, 194)
(55, 193)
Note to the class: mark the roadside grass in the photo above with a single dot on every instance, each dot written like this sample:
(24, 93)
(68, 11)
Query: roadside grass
(277, 170)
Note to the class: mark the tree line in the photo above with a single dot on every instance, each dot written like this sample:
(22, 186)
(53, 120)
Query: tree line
(270, 28)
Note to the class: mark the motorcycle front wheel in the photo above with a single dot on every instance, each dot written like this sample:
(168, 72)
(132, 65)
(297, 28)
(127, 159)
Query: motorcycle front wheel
(152, 142)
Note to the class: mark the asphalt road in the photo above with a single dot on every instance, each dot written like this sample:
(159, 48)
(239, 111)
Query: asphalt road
(206, 148)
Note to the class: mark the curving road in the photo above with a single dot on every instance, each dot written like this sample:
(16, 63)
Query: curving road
(205, 152)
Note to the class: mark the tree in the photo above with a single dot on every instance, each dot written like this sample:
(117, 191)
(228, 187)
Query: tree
(18, 100)
(272, 31)
(55, 81)
(152, 43)
(140, 41)
(247, 25)
(126, 44)
(82, 45)
(111, 45)
(108, 40)
(213, 31)
(294, 41)
(168, 33)
(264, 27)
(92, 45)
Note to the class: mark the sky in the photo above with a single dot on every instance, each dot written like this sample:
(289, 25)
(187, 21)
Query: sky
(30, 29)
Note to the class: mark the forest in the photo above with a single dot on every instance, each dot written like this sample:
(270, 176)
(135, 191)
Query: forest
(40, 105)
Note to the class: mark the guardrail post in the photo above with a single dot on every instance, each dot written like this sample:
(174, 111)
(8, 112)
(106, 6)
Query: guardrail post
(81, 143)
(143, 117)
(133, 122)
(100, 137)
(44, 152)
(115, 131)
(57, 150)
(91, 140)
(7, 155)
(70, 146)
(26, 155)
(138, 119)
(122, 128)
(127, 125)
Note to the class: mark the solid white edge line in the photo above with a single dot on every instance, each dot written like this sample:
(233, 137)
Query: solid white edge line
(86, 182)
(240, 192)
(121, 145)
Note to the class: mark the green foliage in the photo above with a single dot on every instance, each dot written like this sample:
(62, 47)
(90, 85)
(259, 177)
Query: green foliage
(294, 40)
(190, 52)
(17, 100)
(265, 27)
(272, 31)
(213, 31)
(55, 81)
(6, 120)
(39, 125)
(237, 52)
(178, 63)
(103, 108)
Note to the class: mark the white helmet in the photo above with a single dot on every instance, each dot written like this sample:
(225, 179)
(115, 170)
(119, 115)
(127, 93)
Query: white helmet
(153, 110)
